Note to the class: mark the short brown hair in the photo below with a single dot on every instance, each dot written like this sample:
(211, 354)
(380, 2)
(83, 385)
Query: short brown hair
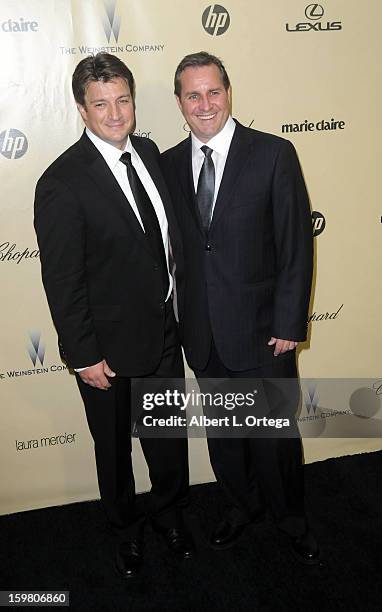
(195, 60)
(101, 67)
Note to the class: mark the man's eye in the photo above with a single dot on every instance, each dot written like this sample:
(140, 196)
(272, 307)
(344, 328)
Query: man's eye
(192, 97)
(100, 105)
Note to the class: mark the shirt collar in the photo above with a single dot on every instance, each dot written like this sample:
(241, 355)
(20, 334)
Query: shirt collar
(110, 153)
(220, 142)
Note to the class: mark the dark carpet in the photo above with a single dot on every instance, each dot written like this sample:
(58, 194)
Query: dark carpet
(69, 548)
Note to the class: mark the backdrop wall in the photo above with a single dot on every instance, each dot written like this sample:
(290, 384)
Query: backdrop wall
(308, 72)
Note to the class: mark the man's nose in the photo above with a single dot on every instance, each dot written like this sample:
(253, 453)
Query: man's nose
(205, 103)
(115, 111)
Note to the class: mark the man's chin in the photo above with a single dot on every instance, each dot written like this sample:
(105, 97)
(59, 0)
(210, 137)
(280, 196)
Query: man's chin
(116, 141)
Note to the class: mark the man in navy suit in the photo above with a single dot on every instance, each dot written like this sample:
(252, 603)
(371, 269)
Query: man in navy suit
(103, 218)
(243, 211)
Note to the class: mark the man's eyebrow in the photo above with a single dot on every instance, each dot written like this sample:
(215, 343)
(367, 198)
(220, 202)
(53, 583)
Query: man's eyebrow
(191, 93)
(104, 100)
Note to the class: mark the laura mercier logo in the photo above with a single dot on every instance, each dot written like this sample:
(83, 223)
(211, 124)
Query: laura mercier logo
(215, 20)
(13, 143)
(314, 12)
(111, 21)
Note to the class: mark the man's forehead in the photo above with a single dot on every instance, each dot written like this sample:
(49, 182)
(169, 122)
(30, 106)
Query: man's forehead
(117, 85)
(202, 76)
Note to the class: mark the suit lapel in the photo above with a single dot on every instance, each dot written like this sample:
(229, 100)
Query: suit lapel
(151, 165)
(186, 179)
(98, 170)
(238, 155)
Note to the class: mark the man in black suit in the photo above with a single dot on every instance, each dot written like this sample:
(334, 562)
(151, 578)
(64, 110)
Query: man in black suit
(103, 218)
(244, 215)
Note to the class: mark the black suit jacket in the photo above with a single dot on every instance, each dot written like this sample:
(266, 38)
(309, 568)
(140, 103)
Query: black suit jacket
(101, 279)
(250, 278)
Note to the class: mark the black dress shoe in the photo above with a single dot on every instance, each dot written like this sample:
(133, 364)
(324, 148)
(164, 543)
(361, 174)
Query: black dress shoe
(178, 540)
(306, 549)
(129, 559)
(226, 534)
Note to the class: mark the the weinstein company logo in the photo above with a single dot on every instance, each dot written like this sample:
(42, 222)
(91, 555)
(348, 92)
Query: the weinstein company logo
(215, 20)
(36, 348)
(36, 352)
(311, 399)
(314, 12)
(111, 21)
(13, 143)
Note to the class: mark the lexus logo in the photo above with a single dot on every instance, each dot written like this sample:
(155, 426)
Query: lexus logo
(314, 11)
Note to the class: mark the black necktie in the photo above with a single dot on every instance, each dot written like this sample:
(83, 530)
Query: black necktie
(206, 188)
(149, 218)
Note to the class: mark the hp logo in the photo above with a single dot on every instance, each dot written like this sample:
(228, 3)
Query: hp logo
(318, 223)
(13, 144)
(215, 20)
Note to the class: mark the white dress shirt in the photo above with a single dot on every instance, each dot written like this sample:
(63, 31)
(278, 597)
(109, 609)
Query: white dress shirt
(220, 145)
(111, 155)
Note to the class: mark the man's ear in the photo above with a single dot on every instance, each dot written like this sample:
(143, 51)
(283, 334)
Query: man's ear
(229, 92)
(82, 111)
(178, 102)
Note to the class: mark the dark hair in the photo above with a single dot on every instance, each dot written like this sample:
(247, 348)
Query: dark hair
(199, 59)
(100, 67)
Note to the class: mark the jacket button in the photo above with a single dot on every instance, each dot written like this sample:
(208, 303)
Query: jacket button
(208, 247)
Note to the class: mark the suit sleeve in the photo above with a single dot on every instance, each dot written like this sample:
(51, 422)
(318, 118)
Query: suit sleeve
(294, 247)
(60, 229)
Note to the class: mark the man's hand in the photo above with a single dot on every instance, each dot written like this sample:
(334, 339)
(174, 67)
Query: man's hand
(95, 376)
(282, 346)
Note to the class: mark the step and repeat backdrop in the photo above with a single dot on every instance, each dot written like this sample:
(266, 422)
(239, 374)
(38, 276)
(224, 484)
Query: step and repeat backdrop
(308, 72)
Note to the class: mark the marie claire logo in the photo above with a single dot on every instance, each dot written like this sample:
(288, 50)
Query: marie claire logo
(20, 25)
(312, 126)
(314, 12)
(36, 348)
(10, 252)
(13, 143)
(318, 223)
(215, 20)
(111, 22)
